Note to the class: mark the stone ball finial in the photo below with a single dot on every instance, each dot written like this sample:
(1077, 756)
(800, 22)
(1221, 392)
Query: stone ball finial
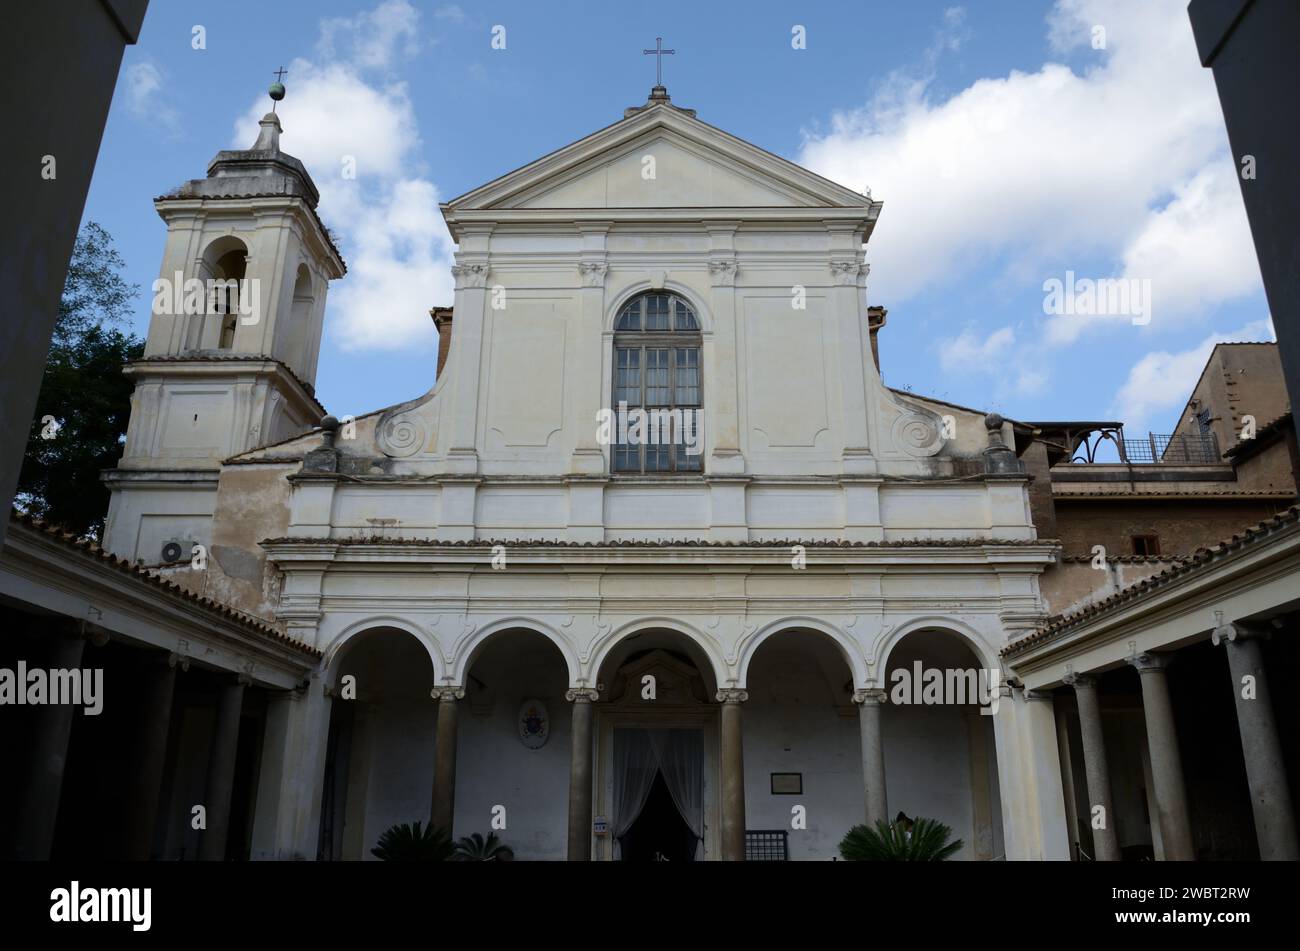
(993, 421)
(329, 423)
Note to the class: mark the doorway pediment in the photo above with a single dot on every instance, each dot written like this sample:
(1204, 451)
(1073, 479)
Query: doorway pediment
(675, 684)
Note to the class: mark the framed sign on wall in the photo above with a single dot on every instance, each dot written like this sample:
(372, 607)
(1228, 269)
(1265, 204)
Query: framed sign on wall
(787, 784)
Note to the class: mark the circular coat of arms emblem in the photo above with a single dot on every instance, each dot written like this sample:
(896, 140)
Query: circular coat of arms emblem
(534, 724)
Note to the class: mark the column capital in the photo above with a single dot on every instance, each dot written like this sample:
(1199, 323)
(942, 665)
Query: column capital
(1237, 630)
(447, 693)
(732, 695)
(873, 695)
(1079, 681)
(582, 695)
(1147, 662)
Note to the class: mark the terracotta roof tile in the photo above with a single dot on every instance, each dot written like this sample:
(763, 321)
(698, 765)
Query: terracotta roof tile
(89, 549)
(1196, 561)
(1274, 426)
(664, 543)
(1126, 559)
(1174, 493)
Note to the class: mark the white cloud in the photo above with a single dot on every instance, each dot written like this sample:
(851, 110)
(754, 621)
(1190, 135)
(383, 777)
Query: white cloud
(399, 268)
(968, 353)
(1162, 381)
(373, 39)
(1198, 248)
(1124, 162)
(339, 114)
(333, 111)
(993, 356)
(145, 96)
(450, 12)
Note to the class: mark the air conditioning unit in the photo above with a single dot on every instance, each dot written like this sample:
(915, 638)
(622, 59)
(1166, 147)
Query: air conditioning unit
(176, 550)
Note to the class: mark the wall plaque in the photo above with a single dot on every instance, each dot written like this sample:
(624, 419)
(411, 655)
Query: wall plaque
(534, 724)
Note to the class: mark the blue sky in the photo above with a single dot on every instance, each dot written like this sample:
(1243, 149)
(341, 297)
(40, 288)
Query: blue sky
(1008, 150)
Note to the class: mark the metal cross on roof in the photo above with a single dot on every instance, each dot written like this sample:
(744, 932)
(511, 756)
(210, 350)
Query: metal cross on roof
(280, 74)
(658, 53)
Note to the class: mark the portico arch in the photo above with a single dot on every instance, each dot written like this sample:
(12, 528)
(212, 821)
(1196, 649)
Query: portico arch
(985, 654)
(704, 651)
(848, 649)
(940, 746)
(802, 737)
(379, 762)
(513, 736)
(468, 650)
(658, 761)
(342, 642)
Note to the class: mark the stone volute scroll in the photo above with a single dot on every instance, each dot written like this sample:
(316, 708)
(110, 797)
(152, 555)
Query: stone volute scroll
(917, 434)
(402, 434)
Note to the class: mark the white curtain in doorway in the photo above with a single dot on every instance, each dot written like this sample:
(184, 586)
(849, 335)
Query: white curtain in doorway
(681, 761)
(635, 766)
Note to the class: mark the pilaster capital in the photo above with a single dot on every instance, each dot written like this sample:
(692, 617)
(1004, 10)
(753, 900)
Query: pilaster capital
(450, 694)
(849, 273)
(582, 695)
(593, 273)
(723, 272)
(875, 696)
(732, 695)
(469, 275)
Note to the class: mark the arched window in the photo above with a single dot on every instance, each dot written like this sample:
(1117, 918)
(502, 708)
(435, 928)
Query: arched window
(224, 299)
(658, 393)
(222, 267)
(295, 340)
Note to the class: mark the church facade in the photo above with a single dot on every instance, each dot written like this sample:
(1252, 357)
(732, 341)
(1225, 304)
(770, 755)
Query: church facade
(639, 570)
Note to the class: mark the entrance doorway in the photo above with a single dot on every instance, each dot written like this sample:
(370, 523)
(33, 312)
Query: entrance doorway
(659, 834)
(658, 794)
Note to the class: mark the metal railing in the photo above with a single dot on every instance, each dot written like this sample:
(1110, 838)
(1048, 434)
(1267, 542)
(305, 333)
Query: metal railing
(1167, 449)
(767, 845)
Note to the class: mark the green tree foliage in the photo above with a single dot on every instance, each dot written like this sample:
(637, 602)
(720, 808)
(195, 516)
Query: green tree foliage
(892, 842)
(84, 401)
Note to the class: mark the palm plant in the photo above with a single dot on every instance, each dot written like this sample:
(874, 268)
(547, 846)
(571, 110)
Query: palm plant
(892, 842)
(475, 848)
(409, 843)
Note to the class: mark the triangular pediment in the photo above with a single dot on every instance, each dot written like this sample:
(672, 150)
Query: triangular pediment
(660, 170)
(660, 157)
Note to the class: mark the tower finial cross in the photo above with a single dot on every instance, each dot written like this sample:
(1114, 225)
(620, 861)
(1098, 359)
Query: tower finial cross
(280, 74)
(659, 53)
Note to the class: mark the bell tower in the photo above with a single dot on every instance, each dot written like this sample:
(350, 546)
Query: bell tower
(234, 337)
